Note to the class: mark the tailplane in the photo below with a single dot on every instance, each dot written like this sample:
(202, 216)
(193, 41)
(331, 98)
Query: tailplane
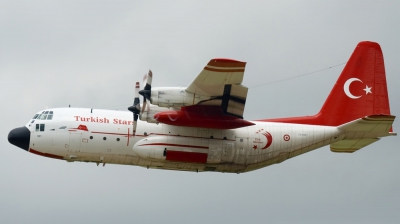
(362, 132)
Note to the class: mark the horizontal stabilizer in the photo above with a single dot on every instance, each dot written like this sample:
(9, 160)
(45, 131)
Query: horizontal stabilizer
(362, 132)
(372, 123)
(351, 145)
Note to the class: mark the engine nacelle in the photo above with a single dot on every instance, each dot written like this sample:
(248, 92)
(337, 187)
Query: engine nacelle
(149, 111)
(174, 97)
(148, 149)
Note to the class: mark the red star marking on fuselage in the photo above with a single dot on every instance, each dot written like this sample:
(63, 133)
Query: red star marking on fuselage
(255, 147)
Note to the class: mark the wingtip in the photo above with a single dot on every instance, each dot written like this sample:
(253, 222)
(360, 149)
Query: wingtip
(227, 60)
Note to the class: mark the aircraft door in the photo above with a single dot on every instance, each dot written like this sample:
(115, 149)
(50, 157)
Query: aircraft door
(75, 140)
(220, 152)
(241, 145)
(228, 152)
(60, 140)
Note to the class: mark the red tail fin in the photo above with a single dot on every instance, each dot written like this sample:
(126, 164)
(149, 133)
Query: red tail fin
(360, 91)
(361, 88)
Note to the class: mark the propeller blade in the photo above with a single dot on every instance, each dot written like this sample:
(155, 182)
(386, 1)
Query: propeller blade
(149, 78)
(144, 105)
(135, 108)
(146, 92)
(135, 118)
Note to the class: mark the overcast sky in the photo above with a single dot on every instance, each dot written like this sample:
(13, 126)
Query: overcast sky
(90, 54)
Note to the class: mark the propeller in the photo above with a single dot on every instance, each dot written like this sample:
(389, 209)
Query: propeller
(146, 92)
(135, 108)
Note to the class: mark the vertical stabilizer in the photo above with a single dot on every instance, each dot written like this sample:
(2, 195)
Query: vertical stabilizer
(360, 90)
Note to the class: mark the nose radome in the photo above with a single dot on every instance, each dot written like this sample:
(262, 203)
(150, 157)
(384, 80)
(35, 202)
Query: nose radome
(20, 137)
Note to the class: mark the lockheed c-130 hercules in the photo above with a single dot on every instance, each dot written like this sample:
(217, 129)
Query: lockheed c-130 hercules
(201, 127)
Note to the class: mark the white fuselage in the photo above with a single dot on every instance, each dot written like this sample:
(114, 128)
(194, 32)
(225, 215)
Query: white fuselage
(105, 136)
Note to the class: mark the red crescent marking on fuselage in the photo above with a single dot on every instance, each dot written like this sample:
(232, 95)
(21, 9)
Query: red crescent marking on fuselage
(269, 139)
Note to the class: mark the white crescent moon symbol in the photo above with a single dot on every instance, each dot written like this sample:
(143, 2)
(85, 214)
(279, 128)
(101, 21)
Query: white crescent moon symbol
(347, 90)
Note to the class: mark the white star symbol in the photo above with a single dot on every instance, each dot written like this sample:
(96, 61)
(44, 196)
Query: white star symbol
(367, 90)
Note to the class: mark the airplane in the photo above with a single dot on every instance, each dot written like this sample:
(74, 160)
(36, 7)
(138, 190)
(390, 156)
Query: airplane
(201, 127)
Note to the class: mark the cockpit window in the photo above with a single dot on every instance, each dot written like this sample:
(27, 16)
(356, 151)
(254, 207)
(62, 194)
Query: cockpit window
(40, 116)
(63, 127)
(45, 115)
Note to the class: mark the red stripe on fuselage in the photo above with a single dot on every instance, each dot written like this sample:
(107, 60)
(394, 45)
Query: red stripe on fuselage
(109, 133)
(187, 136)
(191, 157)
(45, 154)
(177, 145)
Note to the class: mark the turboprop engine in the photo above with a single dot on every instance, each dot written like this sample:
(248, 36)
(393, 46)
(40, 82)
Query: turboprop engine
(203, 106)
(174, 97)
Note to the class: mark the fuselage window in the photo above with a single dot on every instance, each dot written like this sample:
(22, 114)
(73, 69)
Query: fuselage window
(39, 127)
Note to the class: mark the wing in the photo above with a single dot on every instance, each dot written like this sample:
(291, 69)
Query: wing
(218, 101)
(221, 81)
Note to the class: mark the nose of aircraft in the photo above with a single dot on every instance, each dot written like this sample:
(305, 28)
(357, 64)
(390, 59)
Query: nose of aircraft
(20, 137)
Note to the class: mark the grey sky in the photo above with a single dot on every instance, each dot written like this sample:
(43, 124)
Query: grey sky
(90, 54)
